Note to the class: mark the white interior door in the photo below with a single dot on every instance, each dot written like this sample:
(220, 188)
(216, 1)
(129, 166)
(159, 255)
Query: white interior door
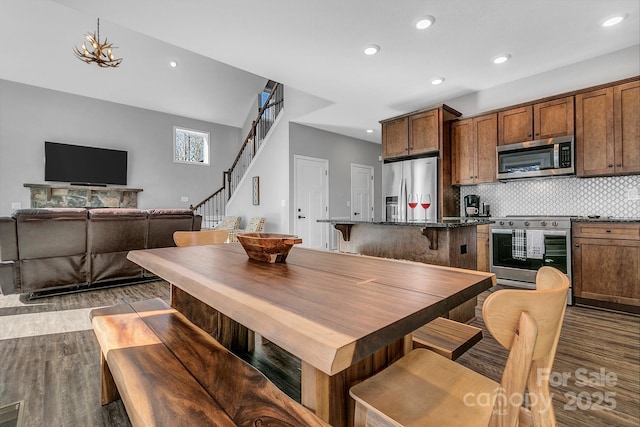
(361, 193)
(311, 201)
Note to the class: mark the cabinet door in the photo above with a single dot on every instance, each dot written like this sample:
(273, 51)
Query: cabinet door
(486, 136)
(594, 133)
(395, 138)
(553, 118)
(607, 270)
(483, 248)
(463, 152)
(515, 125)
(626, 113)
(424, 132)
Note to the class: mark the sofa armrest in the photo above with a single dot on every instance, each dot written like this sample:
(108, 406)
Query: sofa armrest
(8, 239)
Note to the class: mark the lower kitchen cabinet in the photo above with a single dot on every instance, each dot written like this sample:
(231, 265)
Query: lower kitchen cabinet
(482, 247)
(606, 264)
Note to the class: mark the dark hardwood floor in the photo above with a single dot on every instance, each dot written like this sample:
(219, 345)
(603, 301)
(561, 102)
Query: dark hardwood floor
(49, 358)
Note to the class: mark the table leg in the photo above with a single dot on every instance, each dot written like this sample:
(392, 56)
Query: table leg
(225, 330)
(328, 395)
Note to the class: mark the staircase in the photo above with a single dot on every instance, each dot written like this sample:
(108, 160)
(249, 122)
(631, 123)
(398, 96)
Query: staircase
(212, 209)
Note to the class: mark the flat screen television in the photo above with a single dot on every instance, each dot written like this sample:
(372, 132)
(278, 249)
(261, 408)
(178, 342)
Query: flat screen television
(82, 165)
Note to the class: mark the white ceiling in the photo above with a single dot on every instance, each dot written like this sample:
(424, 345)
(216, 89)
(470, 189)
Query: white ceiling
(312, 46)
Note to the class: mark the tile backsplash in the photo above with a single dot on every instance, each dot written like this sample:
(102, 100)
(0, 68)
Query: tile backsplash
(606, 196)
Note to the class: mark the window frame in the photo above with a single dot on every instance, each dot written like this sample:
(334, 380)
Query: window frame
(207, 148)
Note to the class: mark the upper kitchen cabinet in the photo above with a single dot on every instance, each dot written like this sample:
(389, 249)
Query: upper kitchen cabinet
(418, 133)
(608, 131)
(537, 121)
(473, 149)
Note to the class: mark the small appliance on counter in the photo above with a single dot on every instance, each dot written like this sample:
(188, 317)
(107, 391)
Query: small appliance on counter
(472, 205)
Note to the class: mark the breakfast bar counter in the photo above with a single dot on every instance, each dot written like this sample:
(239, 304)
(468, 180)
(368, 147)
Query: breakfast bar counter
(450, 243)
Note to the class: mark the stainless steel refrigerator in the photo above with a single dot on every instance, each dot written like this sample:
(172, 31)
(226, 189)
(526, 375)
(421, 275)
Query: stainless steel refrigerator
(400, 179)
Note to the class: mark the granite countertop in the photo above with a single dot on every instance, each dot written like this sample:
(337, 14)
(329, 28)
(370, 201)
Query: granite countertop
(596, 218)
(446, 222)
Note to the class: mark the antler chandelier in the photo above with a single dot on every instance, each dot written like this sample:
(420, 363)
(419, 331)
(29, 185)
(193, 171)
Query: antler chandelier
(101, 53)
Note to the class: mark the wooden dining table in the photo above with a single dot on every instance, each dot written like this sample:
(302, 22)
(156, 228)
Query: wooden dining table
(346, 317)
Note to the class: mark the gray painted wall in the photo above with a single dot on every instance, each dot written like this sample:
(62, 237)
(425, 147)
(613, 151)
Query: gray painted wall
(341, 151)
(30, 115)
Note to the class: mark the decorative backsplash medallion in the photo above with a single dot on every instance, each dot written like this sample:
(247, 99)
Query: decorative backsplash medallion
(605, 196)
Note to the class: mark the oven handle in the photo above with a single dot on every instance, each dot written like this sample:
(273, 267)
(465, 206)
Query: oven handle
(546, 232)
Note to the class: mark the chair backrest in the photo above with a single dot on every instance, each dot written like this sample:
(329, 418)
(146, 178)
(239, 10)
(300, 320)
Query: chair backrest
(203, 237)
(255, 225)
(528, 323)
(228, 223)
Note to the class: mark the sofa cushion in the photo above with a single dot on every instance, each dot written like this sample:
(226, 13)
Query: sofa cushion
(163, 223)
(38, 228)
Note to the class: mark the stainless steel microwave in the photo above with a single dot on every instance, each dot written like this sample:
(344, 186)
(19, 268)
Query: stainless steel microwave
(545, 157)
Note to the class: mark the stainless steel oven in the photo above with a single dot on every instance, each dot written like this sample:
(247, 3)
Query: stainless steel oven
(519, 246)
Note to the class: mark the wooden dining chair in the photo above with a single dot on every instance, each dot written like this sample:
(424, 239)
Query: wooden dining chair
(426, 389)
(202, 237)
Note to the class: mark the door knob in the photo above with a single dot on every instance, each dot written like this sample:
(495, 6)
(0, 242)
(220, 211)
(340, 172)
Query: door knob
(301, 217)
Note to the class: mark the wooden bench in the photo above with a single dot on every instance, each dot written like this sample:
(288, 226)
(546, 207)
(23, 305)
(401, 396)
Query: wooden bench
(447, 337)
(169, 372)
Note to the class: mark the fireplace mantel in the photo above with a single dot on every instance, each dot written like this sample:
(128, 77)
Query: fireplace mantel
(80, 196)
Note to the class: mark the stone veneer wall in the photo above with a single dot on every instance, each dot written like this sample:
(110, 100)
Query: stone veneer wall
(47, 197)
(570, 196)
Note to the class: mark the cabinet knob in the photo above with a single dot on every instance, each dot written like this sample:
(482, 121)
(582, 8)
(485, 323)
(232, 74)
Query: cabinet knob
(537, 133)
(577, 245)
(608, 231)
(610, 165)
(619, 165)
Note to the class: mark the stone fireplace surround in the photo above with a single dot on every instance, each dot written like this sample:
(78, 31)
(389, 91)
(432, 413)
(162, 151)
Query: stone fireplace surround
(80, 196)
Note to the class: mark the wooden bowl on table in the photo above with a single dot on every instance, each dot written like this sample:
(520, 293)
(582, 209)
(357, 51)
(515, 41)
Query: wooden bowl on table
(268, 247)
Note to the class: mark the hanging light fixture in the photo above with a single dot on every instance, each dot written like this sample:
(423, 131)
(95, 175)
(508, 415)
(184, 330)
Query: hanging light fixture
(100, 53)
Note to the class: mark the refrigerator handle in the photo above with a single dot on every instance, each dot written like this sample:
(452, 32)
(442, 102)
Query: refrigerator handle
(402, 202)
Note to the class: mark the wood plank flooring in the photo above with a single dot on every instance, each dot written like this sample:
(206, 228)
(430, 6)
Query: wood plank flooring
(49, 358)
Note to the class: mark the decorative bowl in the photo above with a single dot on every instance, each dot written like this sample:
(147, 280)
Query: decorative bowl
(268, 247)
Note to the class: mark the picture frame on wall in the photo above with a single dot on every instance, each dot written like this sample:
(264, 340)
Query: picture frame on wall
(256, 190)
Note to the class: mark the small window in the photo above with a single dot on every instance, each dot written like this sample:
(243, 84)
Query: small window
(190, 146)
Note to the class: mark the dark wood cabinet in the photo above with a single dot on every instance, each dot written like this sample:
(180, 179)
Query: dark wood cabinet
(608, 131)
(424, 132)
(606, 262)
(395, 138)
(419, 133)
(474, 150)
(537, 121)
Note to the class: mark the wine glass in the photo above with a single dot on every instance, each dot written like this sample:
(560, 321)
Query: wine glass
(425, 202)
(412, 201)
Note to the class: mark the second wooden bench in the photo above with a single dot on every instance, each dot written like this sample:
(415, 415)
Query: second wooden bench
(169, 372)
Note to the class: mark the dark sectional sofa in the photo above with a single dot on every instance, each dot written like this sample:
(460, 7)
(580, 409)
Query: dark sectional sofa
(66, 248)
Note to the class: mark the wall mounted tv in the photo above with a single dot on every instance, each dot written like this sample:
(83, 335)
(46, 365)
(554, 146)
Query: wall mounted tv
(81, 165)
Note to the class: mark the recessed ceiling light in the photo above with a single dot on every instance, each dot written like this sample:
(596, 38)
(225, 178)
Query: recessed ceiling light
(173, 64)
(437, 81)
(614, 20)
(369, 130)
(501, 58)
(425, 22)
(371, 49)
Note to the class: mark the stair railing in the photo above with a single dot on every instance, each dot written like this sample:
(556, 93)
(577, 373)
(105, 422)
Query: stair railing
(252, 143)
(212, 209)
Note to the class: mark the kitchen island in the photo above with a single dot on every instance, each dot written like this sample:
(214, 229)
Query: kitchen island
(450, 243)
